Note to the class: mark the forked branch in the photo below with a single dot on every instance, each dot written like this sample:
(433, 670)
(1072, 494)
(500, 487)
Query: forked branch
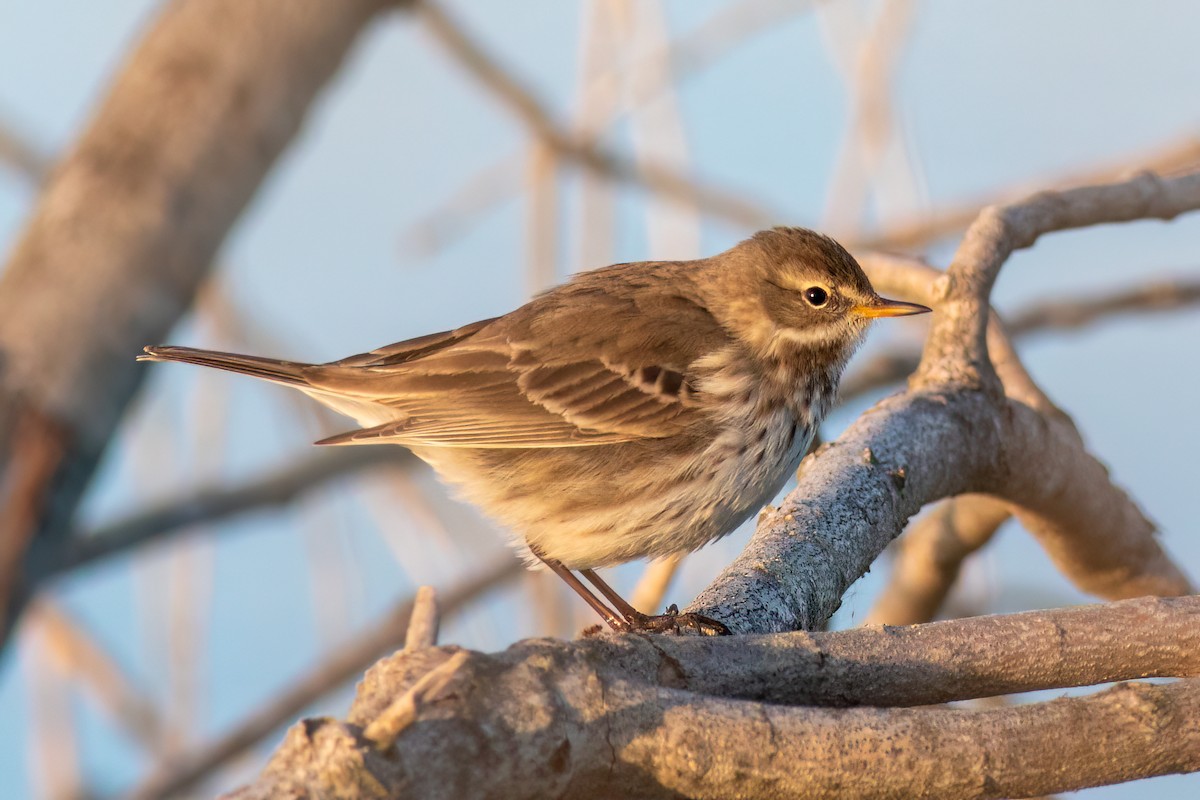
(663, 716)
(953, 432)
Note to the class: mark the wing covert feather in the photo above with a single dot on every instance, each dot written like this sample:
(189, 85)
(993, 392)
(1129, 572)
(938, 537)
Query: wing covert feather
(591, 362)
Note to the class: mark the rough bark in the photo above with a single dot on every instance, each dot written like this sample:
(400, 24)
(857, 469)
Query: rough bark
(856, 494)
(126, 229)
(622, 716)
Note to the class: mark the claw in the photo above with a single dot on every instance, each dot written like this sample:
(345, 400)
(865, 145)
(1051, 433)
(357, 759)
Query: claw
(676, 623)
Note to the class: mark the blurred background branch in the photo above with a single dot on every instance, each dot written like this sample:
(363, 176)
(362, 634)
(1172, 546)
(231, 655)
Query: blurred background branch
(879, 120)
(213, 505)
(343, 665)
(19, 154)
(471, 55)
(154, 142)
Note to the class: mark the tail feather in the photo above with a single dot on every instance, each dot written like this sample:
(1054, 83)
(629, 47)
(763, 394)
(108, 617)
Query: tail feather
(286, 372)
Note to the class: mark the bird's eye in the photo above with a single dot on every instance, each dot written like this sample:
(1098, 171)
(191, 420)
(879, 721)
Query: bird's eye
(816, 296)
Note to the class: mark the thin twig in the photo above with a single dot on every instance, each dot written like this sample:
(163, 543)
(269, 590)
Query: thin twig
(551, 614)
(541, 230)
(1148, 298)
(487, 70)
(424, 622)
(452, 219)
(185, 578)
(25, 158)
(217, 503)
(384, 729)
(657, 131)
(82, 657)
(1171, 158)
(869, 63)
(51, 738)
(598, 99)
(668, 65)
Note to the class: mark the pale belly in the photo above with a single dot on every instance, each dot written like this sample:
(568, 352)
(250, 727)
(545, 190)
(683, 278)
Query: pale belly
(597, 506)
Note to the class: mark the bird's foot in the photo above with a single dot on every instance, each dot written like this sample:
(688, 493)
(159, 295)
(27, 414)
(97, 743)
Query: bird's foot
(675, 623)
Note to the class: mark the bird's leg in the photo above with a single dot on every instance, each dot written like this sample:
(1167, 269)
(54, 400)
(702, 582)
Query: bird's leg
(614, 620)
(670, 622)
(626, 617)
(619, 603)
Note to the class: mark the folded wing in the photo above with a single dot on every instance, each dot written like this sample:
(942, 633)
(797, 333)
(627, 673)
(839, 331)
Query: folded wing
(577, 367)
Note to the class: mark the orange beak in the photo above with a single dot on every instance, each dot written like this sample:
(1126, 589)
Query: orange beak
(882, 307)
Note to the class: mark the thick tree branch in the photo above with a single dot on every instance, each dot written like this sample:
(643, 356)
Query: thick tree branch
(663, 717)
(856, 494)
(664, 743)
(191, 125)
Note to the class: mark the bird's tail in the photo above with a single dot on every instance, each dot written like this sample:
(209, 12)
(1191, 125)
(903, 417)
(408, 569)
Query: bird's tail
(289, 373)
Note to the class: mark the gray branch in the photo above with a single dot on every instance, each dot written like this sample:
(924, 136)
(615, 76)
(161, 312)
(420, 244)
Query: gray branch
(663, 717)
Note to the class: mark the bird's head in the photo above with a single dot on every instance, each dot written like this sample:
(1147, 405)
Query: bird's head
(805, 290)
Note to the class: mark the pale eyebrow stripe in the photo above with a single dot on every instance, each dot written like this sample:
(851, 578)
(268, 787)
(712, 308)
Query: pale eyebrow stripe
(793, 286)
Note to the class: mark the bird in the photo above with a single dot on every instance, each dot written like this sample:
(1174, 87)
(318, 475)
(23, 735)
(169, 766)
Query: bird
(636, 411)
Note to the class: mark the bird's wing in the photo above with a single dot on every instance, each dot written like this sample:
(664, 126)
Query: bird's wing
(402, 352)
(582, 365)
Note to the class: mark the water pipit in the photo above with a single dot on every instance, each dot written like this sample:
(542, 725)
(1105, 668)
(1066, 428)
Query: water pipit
(636, 411)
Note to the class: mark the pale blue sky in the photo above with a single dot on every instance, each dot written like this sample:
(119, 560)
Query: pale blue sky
(990, 94)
